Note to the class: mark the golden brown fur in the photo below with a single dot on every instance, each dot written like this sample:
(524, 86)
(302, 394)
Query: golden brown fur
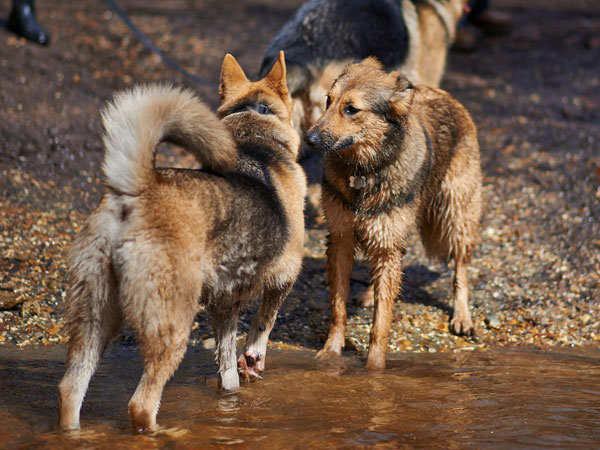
(161, 242)
(395, 156)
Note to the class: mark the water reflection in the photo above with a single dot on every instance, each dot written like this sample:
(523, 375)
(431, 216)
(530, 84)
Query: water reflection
(509, 398)
(227, 407)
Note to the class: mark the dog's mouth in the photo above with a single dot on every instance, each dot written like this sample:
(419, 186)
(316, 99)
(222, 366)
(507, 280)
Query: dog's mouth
(326, 143)
(343, 144)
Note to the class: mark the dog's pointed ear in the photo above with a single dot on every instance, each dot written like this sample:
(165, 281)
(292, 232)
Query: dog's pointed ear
(277, 76)
(401, 97)
(231, 75)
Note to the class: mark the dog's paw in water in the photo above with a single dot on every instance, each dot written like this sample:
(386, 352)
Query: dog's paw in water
(250, 365)
(333, 347)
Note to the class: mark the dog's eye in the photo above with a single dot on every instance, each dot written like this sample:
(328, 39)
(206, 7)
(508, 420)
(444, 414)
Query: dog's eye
(350, 110)
(262, 109)
(258, 107)
(328, 102)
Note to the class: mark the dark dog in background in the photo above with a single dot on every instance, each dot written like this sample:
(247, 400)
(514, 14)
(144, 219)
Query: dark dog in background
(163, 241)
(396, 156)
(323, 36)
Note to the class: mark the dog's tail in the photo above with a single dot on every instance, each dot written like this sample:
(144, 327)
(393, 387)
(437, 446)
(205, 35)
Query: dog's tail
(136, 121)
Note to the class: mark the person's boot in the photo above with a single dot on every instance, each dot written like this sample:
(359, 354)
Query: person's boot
(22, 21)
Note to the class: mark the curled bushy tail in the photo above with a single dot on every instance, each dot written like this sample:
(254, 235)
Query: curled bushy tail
(136, 121)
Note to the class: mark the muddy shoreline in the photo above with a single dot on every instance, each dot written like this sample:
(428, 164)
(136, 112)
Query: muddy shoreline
(533, 94)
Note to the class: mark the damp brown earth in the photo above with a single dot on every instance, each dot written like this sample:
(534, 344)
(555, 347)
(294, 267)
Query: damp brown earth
(534, 94)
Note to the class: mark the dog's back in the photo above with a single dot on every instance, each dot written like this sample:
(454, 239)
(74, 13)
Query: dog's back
(325, 35)
(323, 31)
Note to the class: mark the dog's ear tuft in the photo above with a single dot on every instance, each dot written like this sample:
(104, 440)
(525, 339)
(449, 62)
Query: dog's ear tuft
(372, 62)
(400, 99)
(402, 83)
(277, 76)
(231, 75)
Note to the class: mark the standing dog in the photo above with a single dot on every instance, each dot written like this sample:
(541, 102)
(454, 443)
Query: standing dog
(161, 241)
(395, 156)
(323, 36)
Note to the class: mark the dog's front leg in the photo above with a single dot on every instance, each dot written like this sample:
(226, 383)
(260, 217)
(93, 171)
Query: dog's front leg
(340, 258)
(252, 362)
(225, 327)
(387, 277)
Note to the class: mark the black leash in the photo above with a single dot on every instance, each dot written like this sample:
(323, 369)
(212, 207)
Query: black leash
(165, 59)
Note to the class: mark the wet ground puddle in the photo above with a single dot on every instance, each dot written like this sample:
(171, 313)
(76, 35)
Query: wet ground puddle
(504, 398)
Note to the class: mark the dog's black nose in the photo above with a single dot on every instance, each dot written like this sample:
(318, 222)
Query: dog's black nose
(313, 138)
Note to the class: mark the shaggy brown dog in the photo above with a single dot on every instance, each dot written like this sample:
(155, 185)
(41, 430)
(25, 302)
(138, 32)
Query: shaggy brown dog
(163, 241)
(395, 156)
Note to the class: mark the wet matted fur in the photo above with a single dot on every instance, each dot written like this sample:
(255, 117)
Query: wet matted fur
(163, 241)
(395, 156)
(323, 36)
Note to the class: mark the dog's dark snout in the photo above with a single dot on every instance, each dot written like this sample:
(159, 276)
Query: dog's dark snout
(313, 138)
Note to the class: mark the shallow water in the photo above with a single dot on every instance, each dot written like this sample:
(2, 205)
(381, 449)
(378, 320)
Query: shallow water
(504, 398)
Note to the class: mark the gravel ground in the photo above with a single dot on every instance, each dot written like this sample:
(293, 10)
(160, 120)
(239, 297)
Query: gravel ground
(535, 96)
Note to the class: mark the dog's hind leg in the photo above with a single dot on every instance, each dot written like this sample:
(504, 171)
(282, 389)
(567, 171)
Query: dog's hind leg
(224, 324)
(451, 229)
(252, 362)
(163, 327)
(448, 239)
(92, 319)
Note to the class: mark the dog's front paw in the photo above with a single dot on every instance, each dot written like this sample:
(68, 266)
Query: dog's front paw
(142, 420)
(329, 350)
(462, 326)
(375, 360)
(250, 365)
(229, 380)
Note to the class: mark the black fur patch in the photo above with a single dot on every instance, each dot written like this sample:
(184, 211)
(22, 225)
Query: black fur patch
(250, 228)
(255, 229)
(124, 213)
(331, 30)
